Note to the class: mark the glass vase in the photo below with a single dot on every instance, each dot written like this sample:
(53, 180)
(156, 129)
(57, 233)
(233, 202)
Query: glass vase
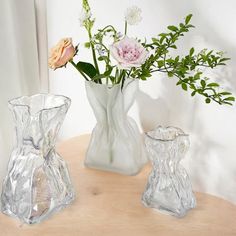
(116, 144)
(37, 183)
(168, 189)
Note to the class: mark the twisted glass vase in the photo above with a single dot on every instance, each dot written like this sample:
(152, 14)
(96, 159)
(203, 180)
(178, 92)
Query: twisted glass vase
(37, 183)
(116, 144)
(168, 189)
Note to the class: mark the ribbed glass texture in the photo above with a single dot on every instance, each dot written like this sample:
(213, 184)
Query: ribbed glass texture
(168, 189)
(37, 182)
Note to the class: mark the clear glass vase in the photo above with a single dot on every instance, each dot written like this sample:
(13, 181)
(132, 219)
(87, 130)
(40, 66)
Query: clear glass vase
(37, 182)
(168, 189)
(116, 144)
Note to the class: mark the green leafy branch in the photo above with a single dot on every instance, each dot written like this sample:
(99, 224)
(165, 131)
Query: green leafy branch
(188, 69)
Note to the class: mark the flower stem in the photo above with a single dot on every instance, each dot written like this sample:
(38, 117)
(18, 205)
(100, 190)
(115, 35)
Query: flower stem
(122, 76)
(94, 54)
(126, 26)
(80, 71)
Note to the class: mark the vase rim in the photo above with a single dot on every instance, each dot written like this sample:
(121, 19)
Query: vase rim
(15, 102)
(110, 86)
(177, 133)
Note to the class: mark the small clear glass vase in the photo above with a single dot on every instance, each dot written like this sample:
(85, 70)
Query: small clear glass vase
(168, 189)
(37, 183)
(116, 144)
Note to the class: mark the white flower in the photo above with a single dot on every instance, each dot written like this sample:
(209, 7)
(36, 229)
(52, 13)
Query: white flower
(84, 16)
(133, 15)
(101, 51)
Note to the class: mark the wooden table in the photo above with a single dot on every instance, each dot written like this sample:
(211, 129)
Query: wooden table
(109, 204)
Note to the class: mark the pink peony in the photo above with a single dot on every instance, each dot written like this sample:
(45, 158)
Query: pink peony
(128, 52)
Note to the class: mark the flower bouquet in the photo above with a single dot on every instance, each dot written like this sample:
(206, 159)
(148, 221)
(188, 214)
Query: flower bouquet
(111, 81)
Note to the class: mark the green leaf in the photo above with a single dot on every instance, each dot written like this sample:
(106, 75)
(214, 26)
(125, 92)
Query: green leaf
(208, 100)
(225, 93)
(162, 39)
(229, 99)
(213, 85)
(191, 51)
(224, 59)
(190, 26)
(154, 40)
(209, 53)
(170, 61)
(172, 28)
(192, 86)
(184, 86)
(193, 93)
(173, 46)
(86, 5)
(179, 82)
(102, 58)
(87, 68)
(203, 83)
(188, 18)
(160, 63)
(108, 72)
(177, 59)
(98, 77)
(162, 35)
(197, 75)
(87, 44)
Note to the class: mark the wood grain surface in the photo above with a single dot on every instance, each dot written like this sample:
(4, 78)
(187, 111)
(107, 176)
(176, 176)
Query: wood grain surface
(109, 204)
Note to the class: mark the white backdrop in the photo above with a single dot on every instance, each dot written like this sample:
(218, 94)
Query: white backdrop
(211, 161)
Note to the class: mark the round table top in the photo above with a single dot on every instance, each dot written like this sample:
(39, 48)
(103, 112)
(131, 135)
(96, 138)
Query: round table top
(109, 204)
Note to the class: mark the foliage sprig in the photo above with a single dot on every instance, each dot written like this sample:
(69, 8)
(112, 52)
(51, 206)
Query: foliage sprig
(187, 69)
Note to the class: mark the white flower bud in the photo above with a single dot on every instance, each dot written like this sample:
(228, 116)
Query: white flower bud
(84, 16)
(133, 15)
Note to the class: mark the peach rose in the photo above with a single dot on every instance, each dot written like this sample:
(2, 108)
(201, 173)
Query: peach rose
(61, 53)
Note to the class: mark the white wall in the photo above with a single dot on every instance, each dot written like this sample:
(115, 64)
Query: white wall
(211, 161)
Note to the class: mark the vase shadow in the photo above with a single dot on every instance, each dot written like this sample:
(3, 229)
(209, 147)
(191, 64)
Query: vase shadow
(149, 111)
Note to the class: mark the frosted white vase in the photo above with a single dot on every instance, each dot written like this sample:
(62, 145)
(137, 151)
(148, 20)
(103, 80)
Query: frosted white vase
(116, 144)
